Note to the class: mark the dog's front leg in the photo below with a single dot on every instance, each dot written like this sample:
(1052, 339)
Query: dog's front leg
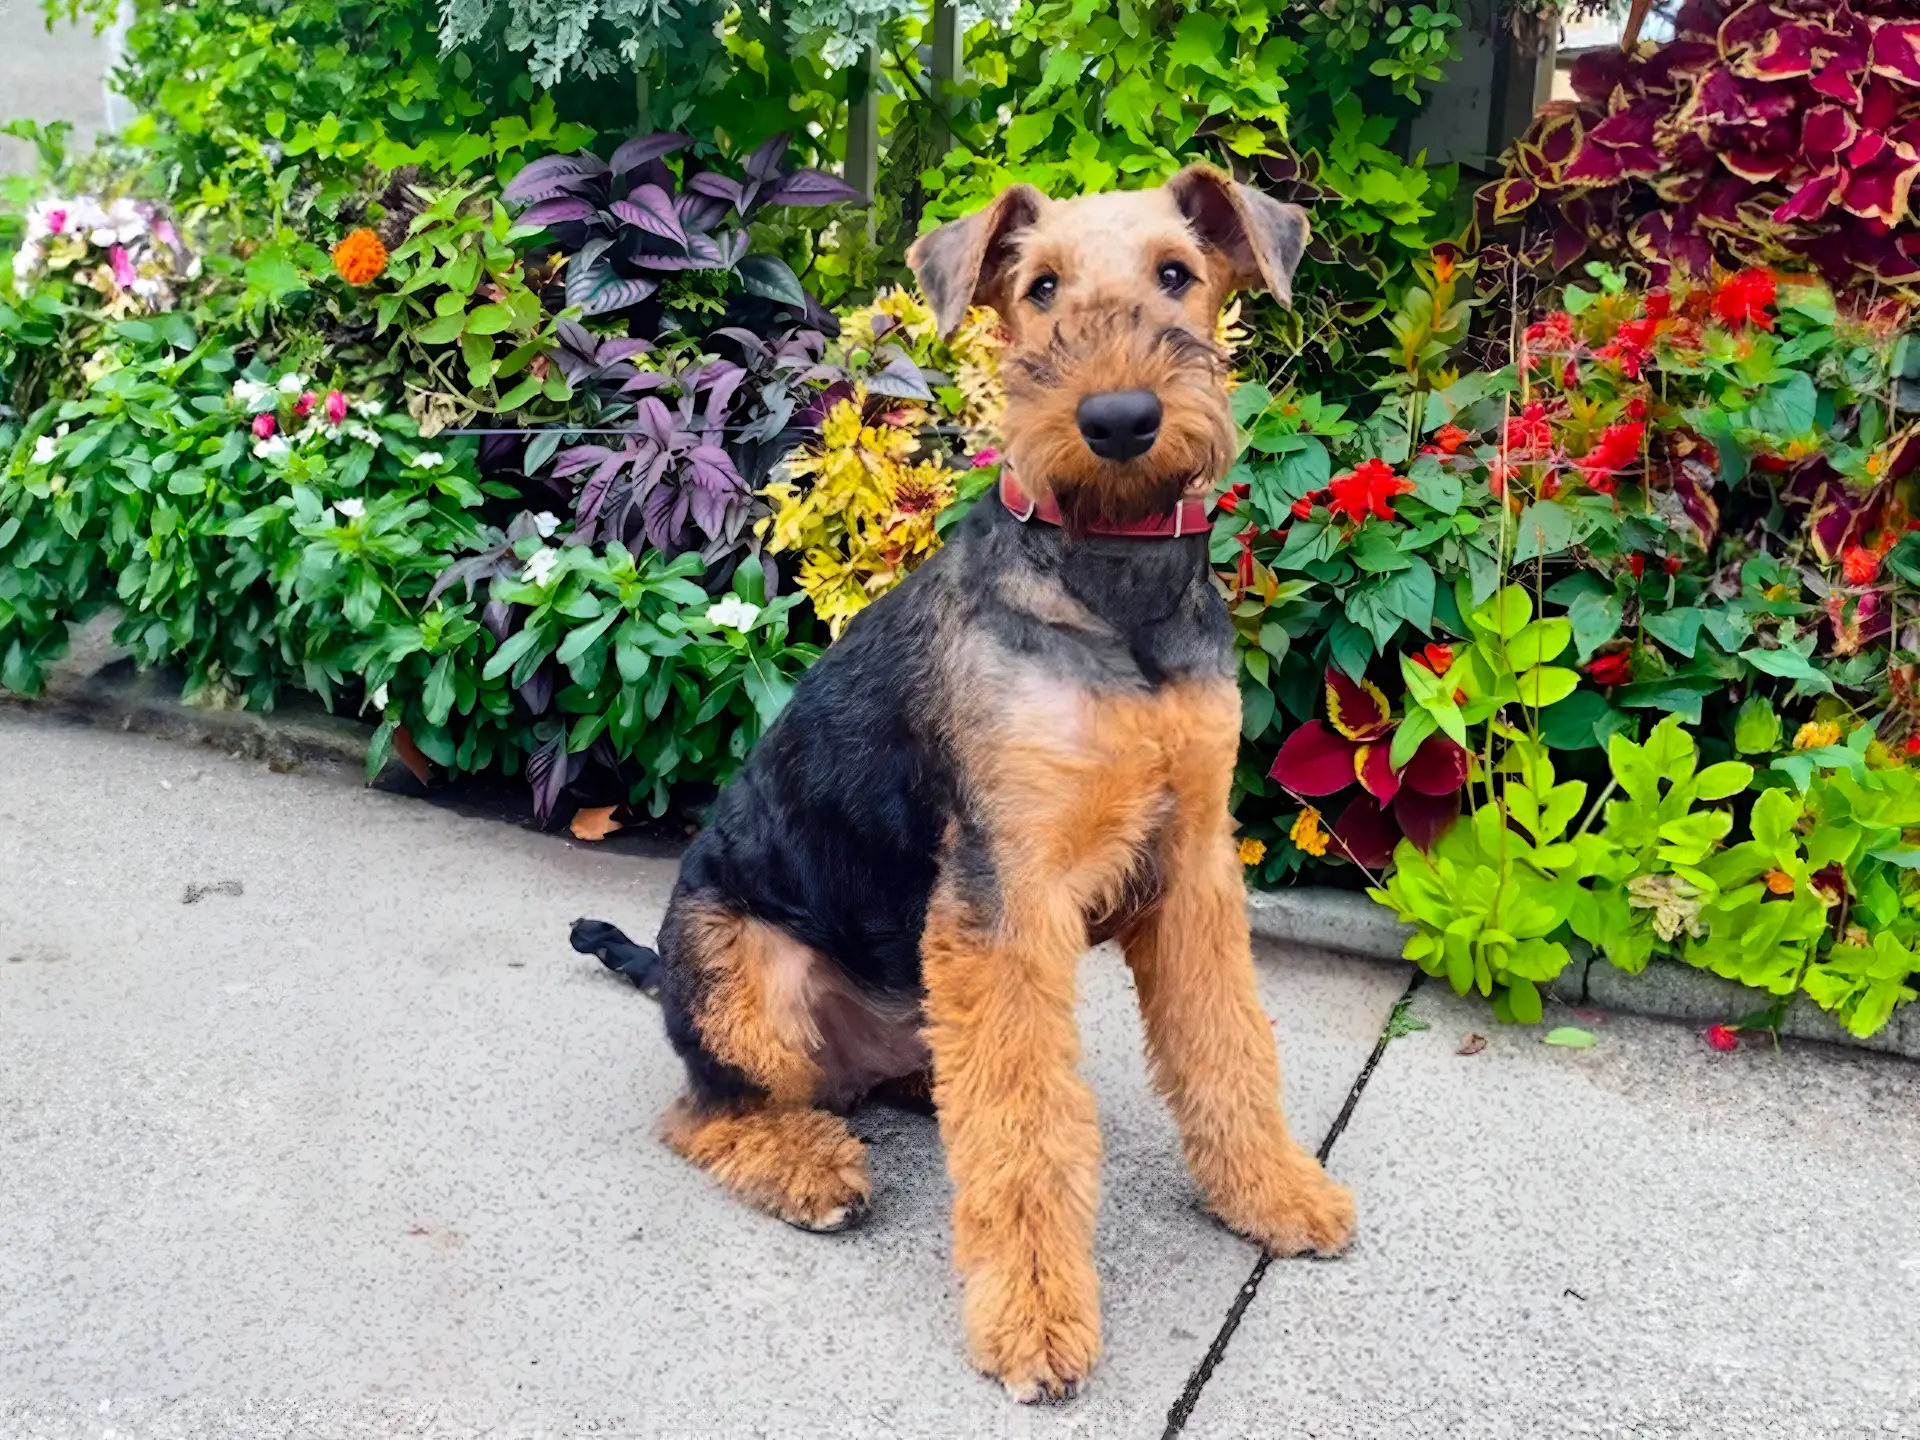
(1022, 1140)
(1209, 1042)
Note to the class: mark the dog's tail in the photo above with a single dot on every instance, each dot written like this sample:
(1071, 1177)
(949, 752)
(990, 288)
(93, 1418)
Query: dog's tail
(618, 953)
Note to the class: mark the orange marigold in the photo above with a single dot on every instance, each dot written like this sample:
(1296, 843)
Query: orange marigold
(360, 258)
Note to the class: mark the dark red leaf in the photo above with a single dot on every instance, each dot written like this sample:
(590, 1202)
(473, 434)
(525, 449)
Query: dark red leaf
(1314, 761)
(1365, 833)
(1375, 769)
(1438, 767)
(1425, 818)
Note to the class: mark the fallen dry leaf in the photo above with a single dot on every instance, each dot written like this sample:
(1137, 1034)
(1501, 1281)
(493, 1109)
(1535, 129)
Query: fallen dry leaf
(594, 823)
(410, 756)
(1472, 1045)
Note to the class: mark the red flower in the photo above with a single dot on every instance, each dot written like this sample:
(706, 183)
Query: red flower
(1671, 564)
(1230, 501)
(1659, 305)
(264, 425)
(1570, 376)
(1555, 330)
(1613, 668)
(1550, 486)
(1616, 449)
(1303, 507)
(1603, 484)
(1912, 746)
(1449, 438)
(1419, 800)
(1723, 1037)
(1745, 297)
(1437, 658)
(1528, 432)
(1369, 490)
(1638, 565)
(1860, 565)
(1636, 408)
(303, 407)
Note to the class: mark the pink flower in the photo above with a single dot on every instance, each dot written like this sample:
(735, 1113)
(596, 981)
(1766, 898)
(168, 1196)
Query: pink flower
(56, 221)
(336, 408)
(123, 272)
(264, 425)
(983, 458)
(303, 407)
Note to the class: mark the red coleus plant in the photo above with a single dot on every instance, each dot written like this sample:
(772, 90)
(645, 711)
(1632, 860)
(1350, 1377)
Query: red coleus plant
(1765, 132)
(1418, 800)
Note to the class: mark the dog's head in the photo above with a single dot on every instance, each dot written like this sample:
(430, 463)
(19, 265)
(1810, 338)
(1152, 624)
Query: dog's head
(1115, 401)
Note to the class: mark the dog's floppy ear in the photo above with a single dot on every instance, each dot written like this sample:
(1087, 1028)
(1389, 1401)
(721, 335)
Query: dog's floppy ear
(1261, 237)
(964, 262)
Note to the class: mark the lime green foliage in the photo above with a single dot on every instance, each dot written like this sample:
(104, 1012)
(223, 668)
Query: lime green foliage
(1818, 897)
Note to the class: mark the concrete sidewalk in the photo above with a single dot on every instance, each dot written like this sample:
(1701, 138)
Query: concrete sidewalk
(355, 1146)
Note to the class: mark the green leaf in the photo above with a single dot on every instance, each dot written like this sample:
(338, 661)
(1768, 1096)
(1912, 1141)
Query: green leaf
(1506, 613)
(1433, 484)
(1539, 642)
(1582, 721)
(1717, 782)
(436, 699)
(442, 330)
(1544, 528)
(1546, 685)
(1756, 729)
(1571, 1037)
(1256, 710)
(489, 320)
(1786, 409)
(1789, 664)
(1596, 620)
(272, 272)
(1678, 629)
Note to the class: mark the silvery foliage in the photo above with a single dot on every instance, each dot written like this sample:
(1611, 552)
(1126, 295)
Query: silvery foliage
(588, 39)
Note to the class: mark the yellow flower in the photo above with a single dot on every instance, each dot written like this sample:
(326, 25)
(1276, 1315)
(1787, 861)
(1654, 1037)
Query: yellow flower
(1816, 733)
(1252, 851)
(1307, 834)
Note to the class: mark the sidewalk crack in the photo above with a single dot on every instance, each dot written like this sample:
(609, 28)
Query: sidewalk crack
(1182, 1409)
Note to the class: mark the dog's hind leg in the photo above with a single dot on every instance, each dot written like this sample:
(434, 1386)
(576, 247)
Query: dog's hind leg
(737, 994)
(1209, 1043)
(1022, 1139)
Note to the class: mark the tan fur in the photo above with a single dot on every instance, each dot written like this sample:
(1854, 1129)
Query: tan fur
(1211, 1048)
(802, 1165)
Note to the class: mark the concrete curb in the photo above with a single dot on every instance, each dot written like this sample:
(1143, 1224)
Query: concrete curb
(1347, 921)
(97, 685)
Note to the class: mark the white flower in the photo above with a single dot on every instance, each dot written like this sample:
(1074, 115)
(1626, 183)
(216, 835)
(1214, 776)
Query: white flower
(104, 236)
(251, 392)
(292, 383)
(546, 522)
(352, 509)
(43, 449)
(733, 612)
(379, 698)
(429, 459)
(25, 261)
(540, 566)
(366, 434)
(369, 409)
(274, 450)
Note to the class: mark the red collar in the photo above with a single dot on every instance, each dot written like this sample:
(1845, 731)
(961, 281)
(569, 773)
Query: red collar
(1187, 518)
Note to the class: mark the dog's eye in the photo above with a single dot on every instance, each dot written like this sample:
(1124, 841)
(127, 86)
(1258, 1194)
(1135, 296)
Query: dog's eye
(1041, 291)
(1175, 277)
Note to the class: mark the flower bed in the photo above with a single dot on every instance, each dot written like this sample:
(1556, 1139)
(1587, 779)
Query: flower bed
(1586, 620)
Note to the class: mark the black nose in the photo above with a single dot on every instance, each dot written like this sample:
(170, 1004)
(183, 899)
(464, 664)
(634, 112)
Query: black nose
(1120, 424)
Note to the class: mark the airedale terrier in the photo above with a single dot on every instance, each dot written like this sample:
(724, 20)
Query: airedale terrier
(1023, 750)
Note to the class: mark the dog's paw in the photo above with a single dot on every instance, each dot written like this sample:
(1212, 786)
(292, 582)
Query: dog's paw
(1040, 1346)
(828, 1190)
(1296, 1210)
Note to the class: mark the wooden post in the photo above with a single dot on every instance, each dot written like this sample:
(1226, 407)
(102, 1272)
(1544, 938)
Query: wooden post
(863, 131)
(948, 61)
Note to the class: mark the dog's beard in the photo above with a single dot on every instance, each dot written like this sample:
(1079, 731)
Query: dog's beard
(1048, 453)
